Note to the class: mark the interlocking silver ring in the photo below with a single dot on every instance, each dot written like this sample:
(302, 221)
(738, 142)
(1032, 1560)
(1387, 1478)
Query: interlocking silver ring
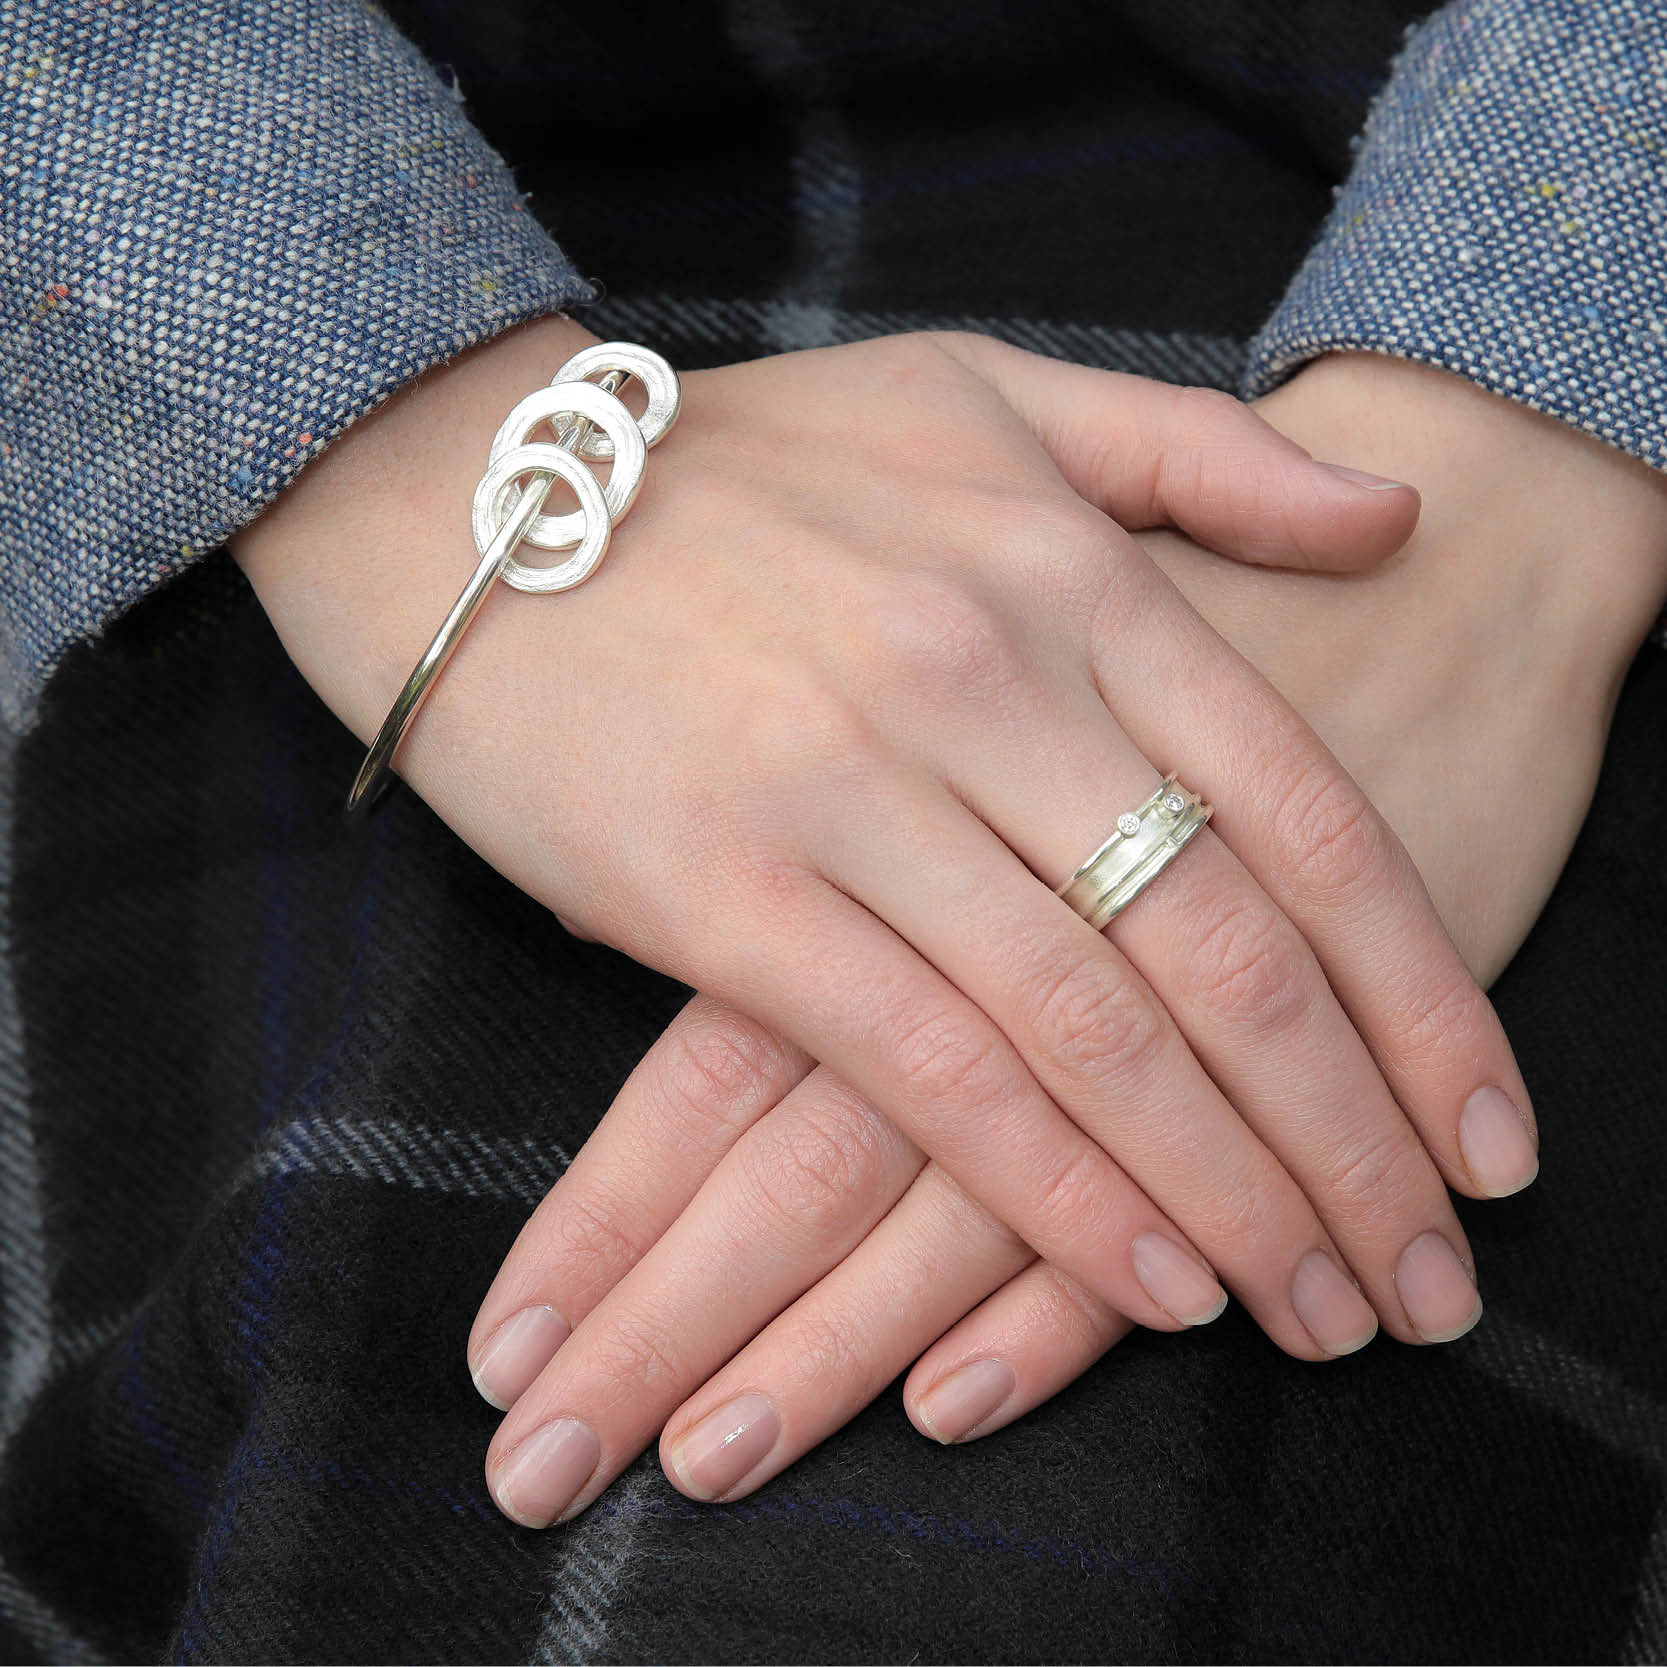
(511, 457)
(592, 523)
(659, 380)
(1144, 843)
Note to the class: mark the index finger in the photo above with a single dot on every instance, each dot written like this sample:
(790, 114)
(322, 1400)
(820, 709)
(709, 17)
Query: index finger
(708, 1078)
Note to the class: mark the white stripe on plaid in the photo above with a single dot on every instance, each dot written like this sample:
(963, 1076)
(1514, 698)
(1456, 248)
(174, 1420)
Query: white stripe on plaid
(743, 328)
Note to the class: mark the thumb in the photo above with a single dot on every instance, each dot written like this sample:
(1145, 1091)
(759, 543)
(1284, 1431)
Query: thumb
(1151, 454)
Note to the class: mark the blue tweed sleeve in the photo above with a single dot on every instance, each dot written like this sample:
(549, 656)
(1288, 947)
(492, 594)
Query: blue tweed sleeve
(228, 228)
(1506, 217)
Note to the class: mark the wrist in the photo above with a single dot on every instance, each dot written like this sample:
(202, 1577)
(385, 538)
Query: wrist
(1524, 514)
(357, 562)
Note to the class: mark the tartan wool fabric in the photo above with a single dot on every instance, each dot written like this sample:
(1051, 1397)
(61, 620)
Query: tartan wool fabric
(274, 1102)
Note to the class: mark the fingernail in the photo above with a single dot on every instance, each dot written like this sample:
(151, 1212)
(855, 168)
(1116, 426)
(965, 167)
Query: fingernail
(1359, 477)
(955, 1406)
(1496, 1143)
(1330, 1305)
(1175, 1281)
(516, 1353)
(1439, 1296)
(713, 1457)
(543, 1476)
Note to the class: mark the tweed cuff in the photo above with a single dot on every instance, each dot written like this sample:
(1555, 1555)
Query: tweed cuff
(231, 227)
(1505, 217)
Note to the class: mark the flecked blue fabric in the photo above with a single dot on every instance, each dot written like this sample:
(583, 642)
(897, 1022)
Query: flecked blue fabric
(227, 229)
(1506, 217)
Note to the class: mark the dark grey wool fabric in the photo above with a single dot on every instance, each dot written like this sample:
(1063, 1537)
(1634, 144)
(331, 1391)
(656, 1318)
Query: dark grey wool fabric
(276, 1100)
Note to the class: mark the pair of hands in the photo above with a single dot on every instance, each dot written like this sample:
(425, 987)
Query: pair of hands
(886, 625)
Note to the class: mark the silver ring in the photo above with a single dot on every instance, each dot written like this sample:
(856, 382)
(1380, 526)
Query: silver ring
(557, 532)
(659, 380)
(498, 493)
(1144, 843)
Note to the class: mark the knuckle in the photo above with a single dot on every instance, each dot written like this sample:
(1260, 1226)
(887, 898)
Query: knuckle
(634, 1356)
(828, 1350)
(1333, 835)
(1095, 1019)
(947, 1063)
(775, 882)
(1257, 499)
(1385, 1174)
(590, 1246)
(720, 1065)
(950, 1219)
(1441, 1019)
(1246, 1222)
(1210, 426)
(934, 634)
(1206, 412)
(1071, 1201)
(1074, 540)
(1068, 1314)
(794, 728)
(822, 1172)
(1221, 465)
(1251, 965)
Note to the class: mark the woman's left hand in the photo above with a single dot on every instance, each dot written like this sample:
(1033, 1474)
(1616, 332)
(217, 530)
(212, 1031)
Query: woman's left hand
(1484, 656)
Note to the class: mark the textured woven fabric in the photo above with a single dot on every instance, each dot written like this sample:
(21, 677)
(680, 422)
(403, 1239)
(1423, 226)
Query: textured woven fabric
(228, 229)
(273, 1104)
(1506, 217)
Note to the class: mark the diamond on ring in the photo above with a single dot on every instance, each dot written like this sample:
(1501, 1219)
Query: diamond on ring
(1135, 853)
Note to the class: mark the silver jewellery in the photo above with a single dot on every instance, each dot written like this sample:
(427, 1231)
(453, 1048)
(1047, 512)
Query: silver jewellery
(1146, 841)
(505, 512)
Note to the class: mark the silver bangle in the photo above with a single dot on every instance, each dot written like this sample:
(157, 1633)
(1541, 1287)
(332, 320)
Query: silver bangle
(506, 513)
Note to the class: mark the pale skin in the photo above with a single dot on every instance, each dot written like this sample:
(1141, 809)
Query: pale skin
(1339, 1120)
(1469, 681)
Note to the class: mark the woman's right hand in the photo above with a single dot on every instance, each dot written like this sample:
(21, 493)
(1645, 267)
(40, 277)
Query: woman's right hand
(835, 717)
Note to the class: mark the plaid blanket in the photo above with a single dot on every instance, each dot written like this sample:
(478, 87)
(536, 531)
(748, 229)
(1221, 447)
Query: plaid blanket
(252, 1188)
